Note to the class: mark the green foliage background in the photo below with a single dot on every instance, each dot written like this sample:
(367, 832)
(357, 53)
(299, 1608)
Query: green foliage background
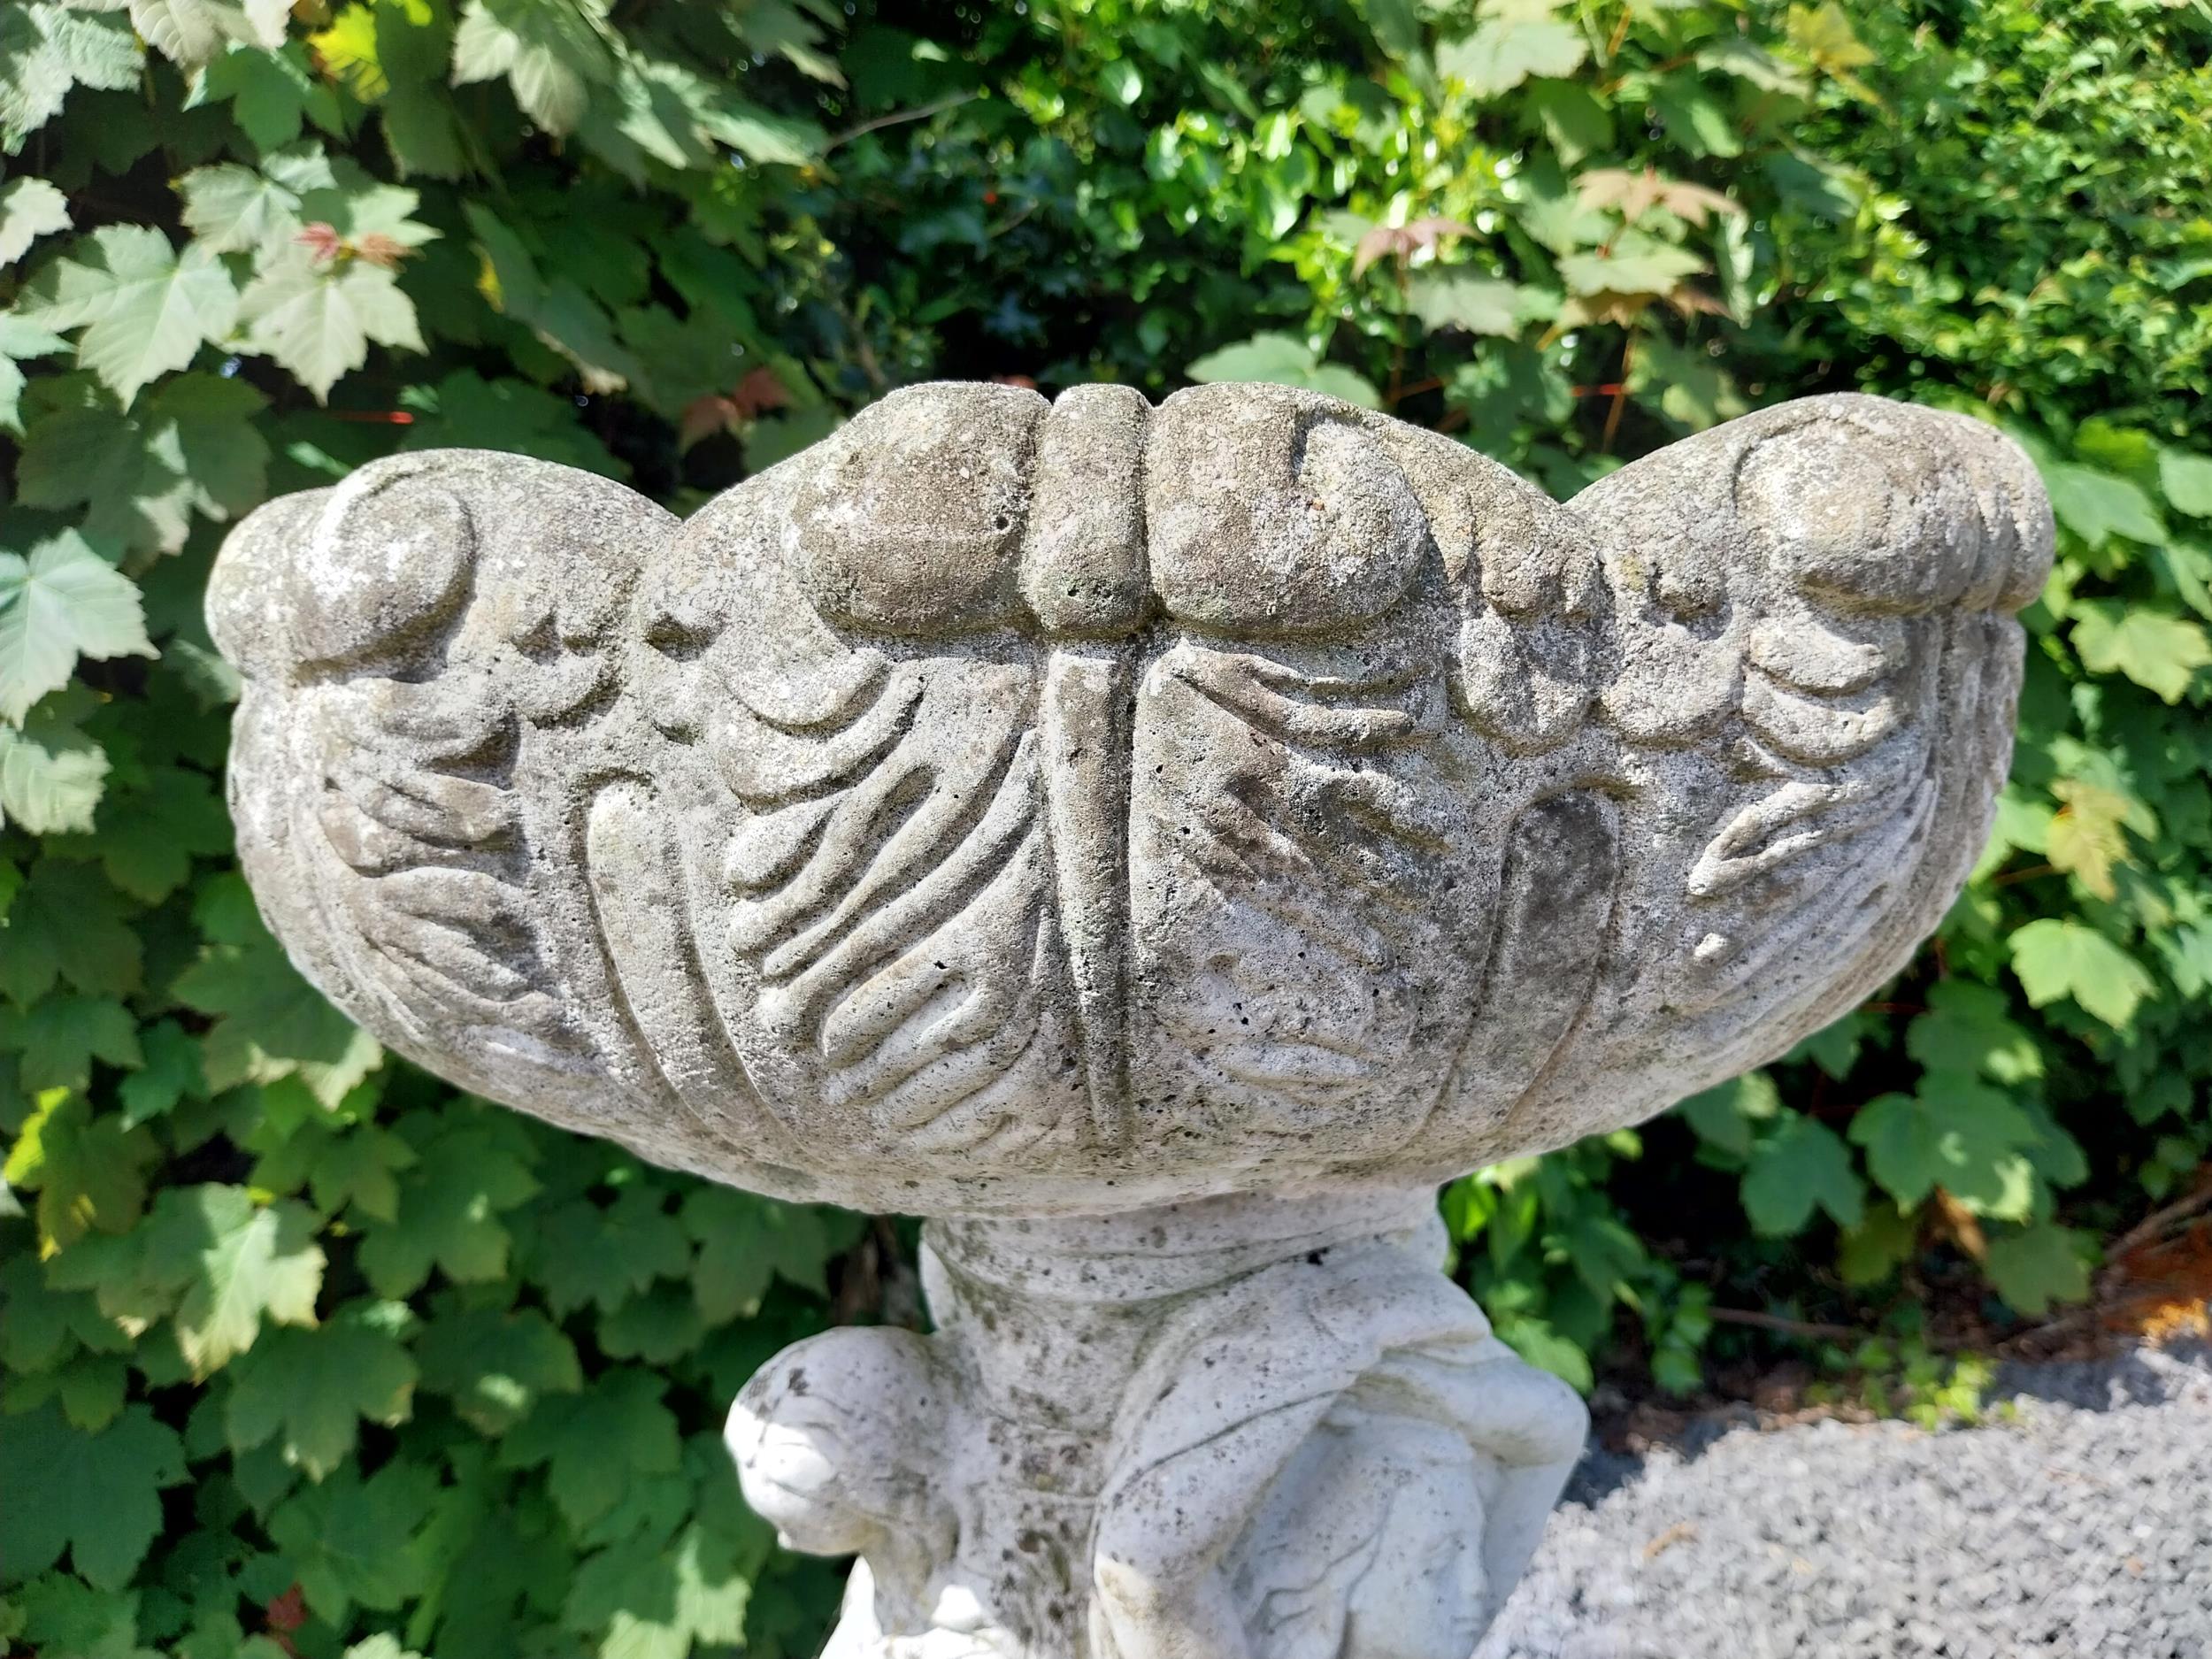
(304, 1354)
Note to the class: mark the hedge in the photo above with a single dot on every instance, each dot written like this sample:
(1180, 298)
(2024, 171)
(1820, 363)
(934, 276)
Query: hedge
(306, 1353)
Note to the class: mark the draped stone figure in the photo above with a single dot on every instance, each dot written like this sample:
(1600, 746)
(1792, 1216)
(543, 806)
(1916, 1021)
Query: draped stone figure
(1159, 844)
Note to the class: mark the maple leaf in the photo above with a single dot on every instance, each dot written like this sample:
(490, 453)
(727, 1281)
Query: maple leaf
(311, 1390)
(96, 1495)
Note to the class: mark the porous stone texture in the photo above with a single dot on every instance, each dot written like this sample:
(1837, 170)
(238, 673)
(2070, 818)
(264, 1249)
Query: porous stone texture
(1162, 842)
(2074, 1521)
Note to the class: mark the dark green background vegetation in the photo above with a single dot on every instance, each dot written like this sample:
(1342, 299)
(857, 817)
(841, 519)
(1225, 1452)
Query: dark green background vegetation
(306, 1353)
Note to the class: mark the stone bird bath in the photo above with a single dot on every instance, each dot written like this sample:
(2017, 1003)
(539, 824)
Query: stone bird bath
(1158, 844)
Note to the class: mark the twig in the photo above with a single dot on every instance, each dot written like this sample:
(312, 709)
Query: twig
(1788, 1327)
(923, 113)
(2144, 1231)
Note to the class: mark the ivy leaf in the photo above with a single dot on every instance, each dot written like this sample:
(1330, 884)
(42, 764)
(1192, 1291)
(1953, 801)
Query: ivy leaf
(311, 1390)
(552, 52)
(585, 1254)
(29, 209)
(236, 1264)
(59, 1037)
(2159, 652)
(1505, 51)
(350, 1540)
(448, 1206)
(2096, 506)
(594, 1444)
(1803, 1162)
(2184, 476)
(145, 309)
(96, 1495)
(494, 1366)
(62, 603)
(2056, 957)
(318, 316)
(2037, 1266)
(45, 49)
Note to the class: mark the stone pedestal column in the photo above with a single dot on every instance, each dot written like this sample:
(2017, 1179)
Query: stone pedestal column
(1238, 1426)
(1158, 844)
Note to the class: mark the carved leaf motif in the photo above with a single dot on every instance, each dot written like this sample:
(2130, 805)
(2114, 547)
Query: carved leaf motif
(1011, 798)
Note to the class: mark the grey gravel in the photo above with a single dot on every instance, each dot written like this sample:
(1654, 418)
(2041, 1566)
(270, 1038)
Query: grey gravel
(2079, 1526)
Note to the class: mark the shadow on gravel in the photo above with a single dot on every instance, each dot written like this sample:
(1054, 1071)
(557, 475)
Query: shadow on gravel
(2136, 1376)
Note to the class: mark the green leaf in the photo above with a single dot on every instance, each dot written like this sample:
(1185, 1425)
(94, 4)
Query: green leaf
(1480, 306)
(62, 603)
(170, 1071)
(20, 339)
(96, 1495)
(46, 49)
(1727, 1114)
(667, 1601)
(494, 1366)
(1504, 51)
(271, 1023)
(1957, 1134)
(89, 1173)
(145, 309)
(273, 94)
(311, 1390)
(1967, 1030)
(2038, 1266)
(1801, 1164)
(1634, 264)
(2186, 477)
(59, 1037)
(745, 1241)
(595, 1443)
(552, 52)
(236, 209)
(2159, 652)
(67, 924)
(448, 1206)
(188, 32)
(52, 777)
(2057, 956)
(156, 827)
(351, 1540)
(1285, 360)
(236, 1264)
(318, 316)
(29, 209)
(585, 1254)
(2096, 506)
(190, 448)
